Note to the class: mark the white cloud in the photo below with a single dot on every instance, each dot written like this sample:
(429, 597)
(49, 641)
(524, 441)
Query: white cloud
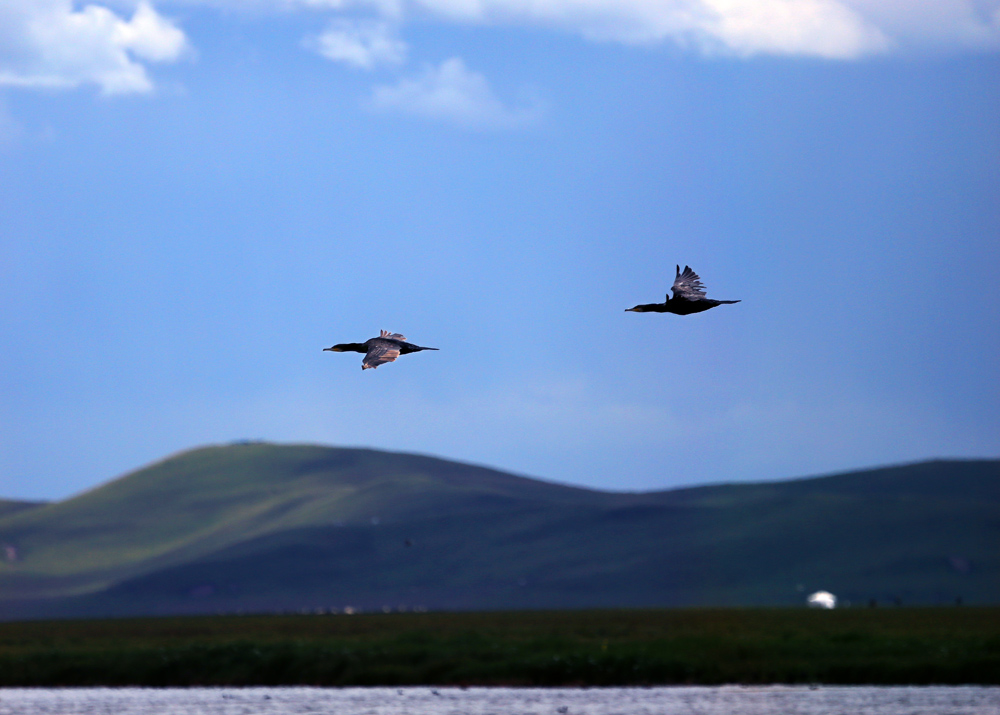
(453, 93)
(824, 28)
(66, 43)
(819, 28)
(361, 43)
(48, 43)
(150, 36)
(832, 29)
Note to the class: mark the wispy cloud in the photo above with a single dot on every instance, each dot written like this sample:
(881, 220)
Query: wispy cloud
(948, 25)
(823, 28)
(453, 93)
(360, 43)
(48, 43)
(831, 29)
(574, 430)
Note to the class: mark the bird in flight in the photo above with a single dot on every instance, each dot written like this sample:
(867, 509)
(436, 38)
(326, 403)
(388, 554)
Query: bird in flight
(689, 297)
(378, 351)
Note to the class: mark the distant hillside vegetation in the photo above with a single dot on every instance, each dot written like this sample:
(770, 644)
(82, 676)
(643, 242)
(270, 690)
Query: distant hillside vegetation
(12, 506)
(260, 527)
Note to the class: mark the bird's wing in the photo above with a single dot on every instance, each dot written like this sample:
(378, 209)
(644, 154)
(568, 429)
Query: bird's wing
(687, 285)
(379, 353)
(392, 336)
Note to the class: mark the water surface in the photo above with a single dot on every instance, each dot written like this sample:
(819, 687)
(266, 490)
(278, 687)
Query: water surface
(727, 700)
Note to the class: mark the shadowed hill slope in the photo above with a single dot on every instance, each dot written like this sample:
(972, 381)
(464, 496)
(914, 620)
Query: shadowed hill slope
(200, 501)
(12, 506)
(265, 527)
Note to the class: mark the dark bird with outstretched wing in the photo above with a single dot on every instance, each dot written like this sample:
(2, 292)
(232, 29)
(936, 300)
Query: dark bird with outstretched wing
(689, 297)
(378, 351)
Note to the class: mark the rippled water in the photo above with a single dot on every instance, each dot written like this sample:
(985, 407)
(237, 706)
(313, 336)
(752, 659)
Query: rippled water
(728, 700)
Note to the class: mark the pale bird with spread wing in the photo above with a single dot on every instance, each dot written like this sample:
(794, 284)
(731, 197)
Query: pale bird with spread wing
(689, 297)
(378, 351)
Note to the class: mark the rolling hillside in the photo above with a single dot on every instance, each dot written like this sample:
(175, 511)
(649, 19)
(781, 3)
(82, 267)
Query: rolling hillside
(12, 506)
(259, 527)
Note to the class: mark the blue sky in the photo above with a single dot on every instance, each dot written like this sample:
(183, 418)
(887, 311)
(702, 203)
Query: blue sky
(198, 196)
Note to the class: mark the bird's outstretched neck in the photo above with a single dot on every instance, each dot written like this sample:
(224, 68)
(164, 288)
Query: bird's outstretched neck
(348, 348)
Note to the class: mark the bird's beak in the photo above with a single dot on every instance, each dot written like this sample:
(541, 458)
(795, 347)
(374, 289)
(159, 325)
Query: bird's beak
(331, 349)
(630, 310)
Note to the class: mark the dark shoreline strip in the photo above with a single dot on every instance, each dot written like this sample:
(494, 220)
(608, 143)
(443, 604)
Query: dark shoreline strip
(918, 646)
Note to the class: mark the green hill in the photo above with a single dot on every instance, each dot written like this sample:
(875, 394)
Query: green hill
(12, 506)
(263, 527)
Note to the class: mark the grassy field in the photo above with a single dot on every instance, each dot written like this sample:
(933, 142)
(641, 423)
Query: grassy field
(696, 646)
